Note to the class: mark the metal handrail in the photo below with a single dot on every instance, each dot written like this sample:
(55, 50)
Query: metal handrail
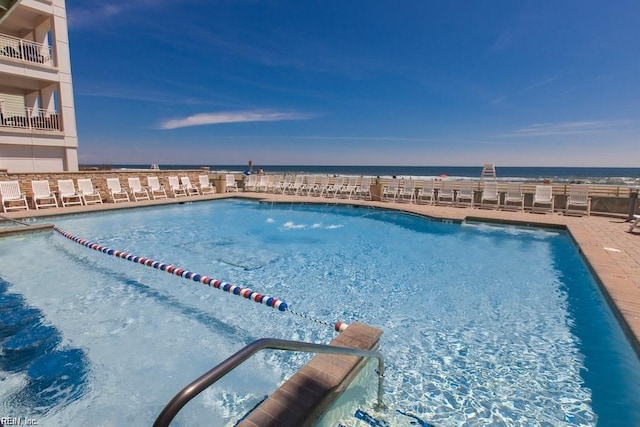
(196, 387)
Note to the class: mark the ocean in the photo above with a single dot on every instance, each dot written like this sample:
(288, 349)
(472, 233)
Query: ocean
(587, 175)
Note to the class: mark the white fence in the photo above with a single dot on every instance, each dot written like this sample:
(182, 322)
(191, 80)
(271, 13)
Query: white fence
(25, 50)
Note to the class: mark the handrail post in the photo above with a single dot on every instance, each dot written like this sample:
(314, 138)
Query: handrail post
(183, 397)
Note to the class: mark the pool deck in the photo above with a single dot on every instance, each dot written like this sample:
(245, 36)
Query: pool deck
(610, 250)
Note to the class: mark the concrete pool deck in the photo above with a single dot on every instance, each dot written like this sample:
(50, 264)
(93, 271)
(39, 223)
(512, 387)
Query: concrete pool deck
(611, 252)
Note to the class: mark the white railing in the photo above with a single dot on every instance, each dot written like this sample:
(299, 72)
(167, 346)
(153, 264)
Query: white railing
(25, 50)
(29, 118)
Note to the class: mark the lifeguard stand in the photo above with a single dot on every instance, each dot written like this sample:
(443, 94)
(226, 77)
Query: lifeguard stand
(488, 172)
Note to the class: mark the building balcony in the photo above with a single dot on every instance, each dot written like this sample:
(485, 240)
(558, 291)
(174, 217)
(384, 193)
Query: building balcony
(35, 119)
(25, 51)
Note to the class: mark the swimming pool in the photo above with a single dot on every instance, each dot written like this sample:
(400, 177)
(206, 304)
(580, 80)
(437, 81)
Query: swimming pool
(482, 324)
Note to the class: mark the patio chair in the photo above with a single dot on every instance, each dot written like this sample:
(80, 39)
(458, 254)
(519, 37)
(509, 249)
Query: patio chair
(138, 192)
(465, 194)
(205, 185)
(363, 190)
(319, 187)
(490, 197)
(250, 183)
(43, 197)
(635, 223)
(12, 197)
(390, 190)
(274, 185)
(68, 194)
(155, 189)
(427, 192)
(446, 193)
(514, 197)
(263, 184)
(176, 189)
(332, 189)
(578, 200)
(230, 180)
(191, 189)
(308, 185)
(295, 186)
(543, 199)
(347, 189)
(117, 193)
(87, 191)
(407, 193)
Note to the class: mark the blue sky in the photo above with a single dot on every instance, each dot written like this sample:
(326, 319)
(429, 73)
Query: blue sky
(425, 83)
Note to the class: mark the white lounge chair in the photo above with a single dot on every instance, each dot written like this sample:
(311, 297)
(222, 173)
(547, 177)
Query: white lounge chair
(490, 196)
(514, 197)
(578, 200)
(363, 190)
(390, 190)
(250, 183)
(295, 186)
(87, 191)
(191, 189)
(117, 193)
(635, 223)
(156, 190)
(446, 194)
(426, 192)
(176, 189)
(43, 197)
(12, 197)
(138, 192)
(347, 189)
(230, 180)
(205, 185)
(333, 188)
(319, 187)
(407, 193)
(275, 183)
(263, 184)
(308, 185)
(68, 194)
(543, 199)
(465, 194)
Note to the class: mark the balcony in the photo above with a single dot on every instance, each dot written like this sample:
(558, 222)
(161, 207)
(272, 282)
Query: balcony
(36, 119)
(25, 50)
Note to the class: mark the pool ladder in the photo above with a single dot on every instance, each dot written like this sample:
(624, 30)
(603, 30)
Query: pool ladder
(196, 387)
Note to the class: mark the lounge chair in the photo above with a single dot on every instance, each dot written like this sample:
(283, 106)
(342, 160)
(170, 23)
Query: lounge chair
(231, 182)
(490, 196)
(407, 193)
(390, 191)
(117, 193)
(426, 192)
(347, 189)
(176, 189)
(12, 197)
(263, 184)
(43, 197)
(308, 185)
(295, 186)
(332, 189)
(543, 199)
(635, 223)
(319, 187)
(514, 197)
(446, 194)
(88, 193)
(363, 189)
(275, 183)
(250, 183)
(68, 194)
(191, 189)
(578, 200)
(205, 185)
(465, 194)
(138, 192)
(156, 191)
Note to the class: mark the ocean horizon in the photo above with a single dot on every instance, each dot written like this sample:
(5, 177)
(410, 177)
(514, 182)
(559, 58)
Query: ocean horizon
(590, 175)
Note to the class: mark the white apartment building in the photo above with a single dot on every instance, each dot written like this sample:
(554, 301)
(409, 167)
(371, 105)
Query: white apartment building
(37, 116)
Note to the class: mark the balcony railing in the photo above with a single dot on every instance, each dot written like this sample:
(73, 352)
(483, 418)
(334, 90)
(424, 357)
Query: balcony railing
(29, 118)
(25, 50)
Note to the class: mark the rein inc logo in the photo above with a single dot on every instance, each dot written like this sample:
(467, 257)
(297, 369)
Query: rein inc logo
(18, 421)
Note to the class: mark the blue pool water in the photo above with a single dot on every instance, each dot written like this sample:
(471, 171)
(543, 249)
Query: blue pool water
(483, 325)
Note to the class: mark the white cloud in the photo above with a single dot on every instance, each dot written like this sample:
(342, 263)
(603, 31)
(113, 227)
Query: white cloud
(233, 117)
(567, 128)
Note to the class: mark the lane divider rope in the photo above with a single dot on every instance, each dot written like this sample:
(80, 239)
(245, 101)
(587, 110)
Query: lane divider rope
(246, 293)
